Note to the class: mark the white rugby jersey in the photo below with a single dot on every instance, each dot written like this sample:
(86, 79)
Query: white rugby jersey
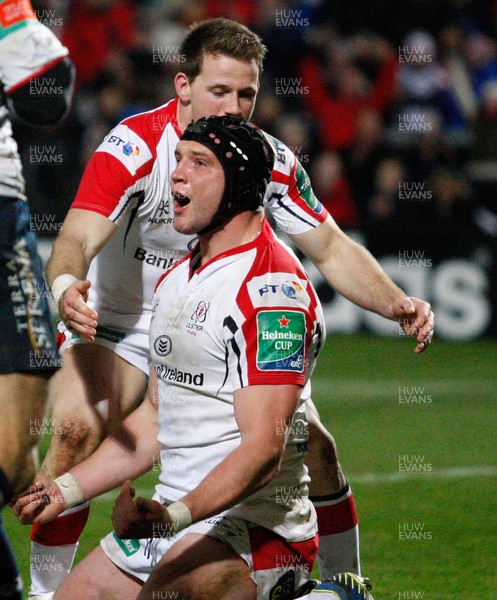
(128, 181)
(248, 317)
(27, 49)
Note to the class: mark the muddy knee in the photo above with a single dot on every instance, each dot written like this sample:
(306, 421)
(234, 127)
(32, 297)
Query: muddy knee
(72, 441)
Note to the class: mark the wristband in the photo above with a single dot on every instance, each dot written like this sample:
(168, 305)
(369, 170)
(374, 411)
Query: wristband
(180, 515)
(70, 489)
(60, 285)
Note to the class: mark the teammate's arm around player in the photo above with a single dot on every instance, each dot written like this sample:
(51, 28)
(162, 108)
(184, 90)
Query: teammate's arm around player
(356, 274)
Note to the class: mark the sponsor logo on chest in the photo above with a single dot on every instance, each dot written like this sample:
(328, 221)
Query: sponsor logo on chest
(173, 374)
(194, 324)
(165, 261)
(161, 214)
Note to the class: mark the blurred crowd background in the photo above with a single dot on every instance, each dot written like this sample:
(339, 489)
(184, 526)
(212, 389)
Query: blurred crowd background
(391, 107)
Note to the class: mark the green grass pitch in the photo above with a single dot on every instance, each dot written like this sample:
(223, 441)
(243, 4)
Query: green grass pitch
(417, 440)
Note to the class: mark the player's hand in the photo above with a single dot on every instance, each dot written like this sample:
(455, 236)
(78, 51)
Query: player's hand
(41, 503)
(416, 318)
(78, 317)
(140, 518)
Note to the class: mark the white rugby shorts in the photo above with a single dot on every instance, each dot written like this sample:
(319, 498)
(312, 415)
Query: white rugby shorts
(126, 335)
(277, 567)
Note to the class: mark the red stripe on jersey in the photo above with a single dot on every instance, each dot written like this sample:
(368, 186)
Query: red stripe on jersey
(150, 125)
(270, 551)
(337, 518)
(279, 177)
(60, 339)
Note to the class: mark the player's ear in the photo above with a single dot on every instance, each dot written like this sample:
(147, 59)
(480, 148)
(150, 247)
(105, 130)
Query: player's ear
(182, 86)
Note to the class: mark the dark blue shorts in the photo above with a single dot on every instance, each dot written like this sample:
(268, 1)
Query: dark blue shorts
(27, 342)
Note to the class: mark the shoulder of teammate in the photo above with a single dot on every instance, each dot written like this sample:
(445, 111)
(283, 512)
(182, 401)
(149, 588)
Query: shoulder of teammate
(125, 156)
(290, 194)
(133, 142)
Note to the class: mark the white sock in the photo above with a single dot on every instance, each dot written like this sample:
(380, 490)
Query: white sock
(338, 533)
(53, 546)
(339, 553)
(49, 566)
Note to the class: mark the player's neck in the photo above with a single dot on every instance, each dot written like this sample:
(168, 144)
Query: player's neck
(184, 115)
(241, 229)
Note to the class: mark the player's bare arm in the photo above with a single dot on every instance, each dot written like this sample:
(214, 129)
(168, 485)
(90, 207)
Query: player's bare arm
(258, 410)
(82, 236)
(127, 454)
(247, 469)
(356, 274)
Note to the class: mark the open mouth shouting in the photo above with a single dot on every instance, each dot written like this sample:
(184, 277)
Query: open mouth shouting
(181, 200)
